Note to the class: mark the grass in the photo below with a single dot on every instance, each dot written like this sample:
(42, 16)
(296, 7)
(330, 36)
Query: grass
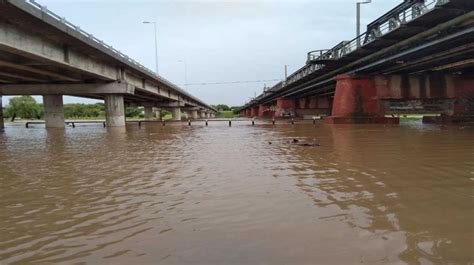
(225, 114)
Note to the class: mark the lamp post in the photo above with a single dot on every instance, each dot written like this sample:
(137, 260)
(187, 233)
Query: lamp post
(358, 19)
(185, 73)
(156, 43)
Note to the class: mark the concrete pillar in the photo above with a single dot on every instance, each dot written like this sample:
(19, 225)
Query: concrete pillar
(194, 114)
(203, 115)
(2, 125)
(53, 111)
(176, 114)
(114, 110)
(148, 113)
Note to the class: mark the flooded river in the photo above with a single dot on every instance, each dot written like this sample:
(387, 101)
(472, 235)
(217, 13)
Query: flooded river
(368, 194)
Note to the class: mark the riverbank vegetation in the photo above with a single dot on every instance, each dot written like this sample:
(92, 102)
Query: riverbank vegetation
(27, 108)
(224, 111)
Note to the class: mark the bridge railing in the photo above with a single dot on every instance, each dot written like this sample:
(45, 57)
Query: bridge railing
(313, 55)
(392, 22)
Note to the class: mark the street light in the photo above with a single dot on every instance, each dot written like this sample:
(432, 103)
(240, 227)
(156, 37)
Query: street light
(358, 19)
(156, 43)
(185, 73)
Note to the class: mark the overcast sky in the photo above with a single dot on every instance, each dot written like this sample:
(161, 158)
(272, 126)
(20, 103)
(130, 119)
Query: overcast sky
(220, 40)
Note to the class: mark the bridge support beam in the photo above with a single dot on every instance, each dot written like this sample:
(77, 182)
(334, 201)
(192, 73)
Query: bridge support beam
(356, 101)
(285, 107)
(114, 110)
(2, 125)
(176, 114)
(248, 113)
(149, 114)
(254, 112)
(53, 111)
(462, 109)
(369, 99)
(261, 110)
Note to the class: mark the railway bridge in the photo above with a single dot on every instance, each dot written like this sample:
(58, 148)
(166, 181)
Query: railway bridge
(417, 58)
(42, 53)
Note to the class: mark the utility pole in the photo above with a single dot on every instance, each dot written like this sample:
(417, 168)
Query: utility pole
(286, 72)
(358, 19)
(156, 43)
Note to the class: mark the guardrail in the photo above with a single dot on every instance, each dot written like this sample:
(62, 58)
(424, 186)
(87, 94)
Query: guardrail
(91, 37)
(316, 54)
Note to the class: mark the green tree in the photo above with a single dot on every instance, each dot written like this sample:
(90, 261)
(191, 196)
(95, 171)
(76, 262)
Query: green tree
(236, 109)
(24, 107)
(221, 107)
(78, 110)
(132, 112)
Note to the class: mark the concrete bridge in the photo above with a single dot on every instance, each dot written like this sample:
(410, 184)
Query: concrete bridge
(43, 54)
(417, 58)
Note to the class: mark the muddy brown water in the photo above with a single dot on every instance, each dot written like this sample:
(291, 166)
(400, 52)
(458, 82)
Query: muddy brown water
(369, 194)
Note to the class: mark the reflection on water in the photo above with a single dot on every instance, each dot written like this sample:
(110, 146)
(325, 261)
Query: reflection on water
(220, 195)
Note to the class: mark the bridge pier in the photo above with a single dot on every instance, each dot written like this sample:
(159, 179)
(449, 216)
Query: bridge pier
(356, 101)
(149, 113)
(194, 114)
(53, 111)
(176, 114)
(254, 112)
(114, 110)
(285, 107)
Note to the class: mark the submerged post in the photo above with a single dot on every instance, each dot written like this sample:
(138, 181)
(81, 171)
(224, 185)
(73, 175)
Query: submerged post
(53, 111)
(2, 124)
